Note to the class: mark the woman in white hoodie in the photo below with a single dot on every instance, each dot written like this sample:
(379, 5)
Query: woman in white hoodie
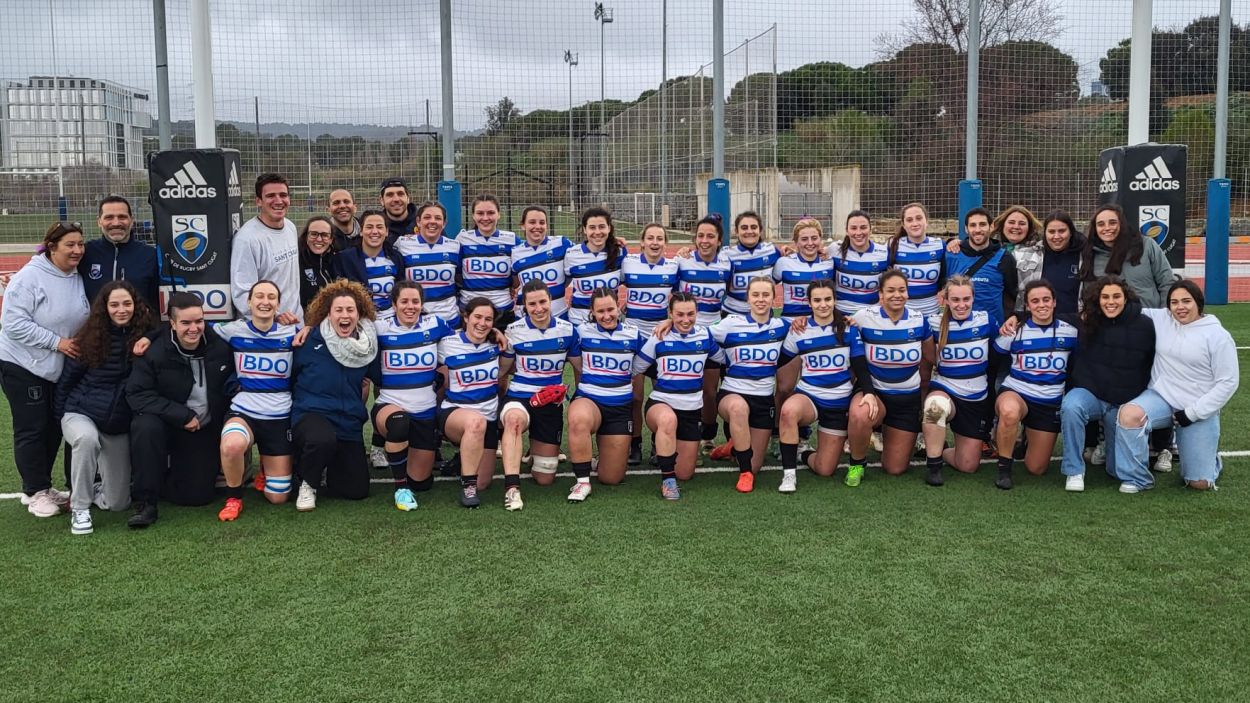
(44, 305)
(1195, 374)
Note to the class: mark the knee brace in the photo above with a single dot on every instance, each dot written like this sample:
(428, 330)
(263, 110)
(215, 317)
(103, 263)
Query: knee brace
(423, 485)
(277, 485)
(397, 427)
(545, 464)
(937, 408)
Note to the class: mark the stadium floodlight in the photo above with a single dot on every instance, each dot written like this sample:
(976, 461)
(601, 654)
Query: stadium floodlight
(571, 59)
(604, 16)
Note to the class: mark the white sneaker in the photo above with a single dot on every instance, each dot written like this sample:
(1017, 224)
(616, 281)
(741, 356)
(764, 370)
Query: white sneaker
(512, 499)
(877, 444)
(1098, 457)
(61, 498)
(80, 522)
(42, 504)
(579, 492)
(1076, 484)
(1163, 463)
(377, 457)
(307, 498)
(1127, 487)
(789, 481)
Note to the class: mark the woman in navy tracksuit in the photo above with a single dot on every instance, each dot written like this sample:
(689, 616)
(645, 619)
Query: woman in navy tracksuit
(328, 410)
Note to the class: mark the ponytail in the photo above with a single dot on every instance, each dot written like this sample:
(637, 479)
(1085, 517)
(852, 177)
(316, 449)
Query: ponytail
(944, 326)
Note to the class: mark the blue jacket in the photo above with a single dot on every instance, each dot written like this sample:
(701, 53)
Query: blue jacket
(993, 283)
(100, 392)
(325, 387)
(350, 263)
(132, 260)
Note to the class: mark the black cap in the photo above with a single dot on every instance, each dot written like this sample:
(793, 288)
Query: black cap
(392, 183)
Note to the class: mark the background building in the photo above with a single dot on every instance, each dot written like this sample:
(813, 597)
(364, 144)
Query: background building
(101, 122)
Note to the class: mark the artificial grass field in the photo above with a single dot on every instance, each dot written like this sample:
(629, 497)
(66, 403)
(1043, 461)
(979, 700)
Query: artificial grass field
(893, 591)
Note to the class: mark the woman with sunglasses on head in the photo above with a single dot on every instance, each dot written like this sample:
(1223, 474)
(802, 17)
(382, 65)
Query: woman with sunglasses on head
(595, 263)
(540, 257)
(1195, 373)
(404, 414)
(316, 257)
(959, 392)
(857, 263)
(44, 307)
(539, 347)
(601, 405)
(1038, 351)
(91, 402)
(830, 354)
(894, 335)
(260, 414)
(705, 275)
(675, 361)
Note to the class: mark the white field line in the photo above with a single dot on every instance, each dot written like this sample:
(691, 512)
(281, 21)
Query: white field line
(709, 470)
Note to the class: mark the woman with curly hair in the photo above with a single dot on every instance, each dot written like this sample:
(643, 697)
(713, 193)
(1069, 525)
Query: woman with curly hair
(328, 408)
(90, 400)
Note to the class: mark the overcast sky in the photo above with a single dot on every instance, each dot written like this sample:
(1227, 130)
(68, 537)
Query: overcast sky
(371, 62)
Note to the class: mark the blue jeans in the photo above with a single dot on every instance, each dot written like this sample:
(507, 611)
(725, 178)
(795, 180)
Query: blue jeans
(1079, 408)
(1199, 444)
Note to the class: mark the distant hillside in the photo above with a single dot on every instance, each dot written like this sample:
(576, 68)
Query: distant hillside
(378, 133)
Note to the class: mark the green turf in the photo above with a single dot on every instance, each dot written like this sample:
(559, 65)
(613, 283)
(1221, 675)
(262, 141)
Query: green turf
(890, 592)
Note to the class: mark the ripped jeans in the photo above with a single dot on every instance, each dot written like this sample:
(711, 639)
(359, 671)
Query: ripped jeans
(1199, 444)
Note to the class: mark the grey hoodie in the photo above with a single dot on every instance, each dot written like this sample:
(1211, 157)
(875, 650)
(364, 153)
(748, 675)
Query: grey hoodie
(1195, 367)
(42, 306)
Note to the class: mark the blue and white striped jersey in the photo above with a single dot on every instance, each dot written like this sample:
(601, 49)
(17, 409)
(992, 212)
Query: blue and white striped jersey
(745, 264)
(795, 274)
(409, 359)
(706, 281)
(539, 355)
(486, 267)
(434, 266)
(1039, 359)
(608, 362)
(472, 374)
(649, 287)
(750, 351)
(923, 264)
(545, 263)
(679, 360)
(826, 375)
(381, 271)
(588, 270)
(857, 275)
(262, 361)
(963, 364)
(893, 348)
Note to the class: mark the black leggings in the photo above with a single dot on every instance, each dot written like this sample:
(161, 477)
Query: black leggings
(36, 431)
(319, 452)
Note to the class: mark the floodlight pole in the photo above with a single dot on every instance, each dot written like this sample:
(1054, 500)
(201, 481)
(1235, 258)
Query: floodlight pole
(664, 218)
(449, 112)
(1139, 73)
(162, 74)
(718, 88)
(202, 75)
(62, 205)
(571, 59)
(1220, 188)
(970, 191)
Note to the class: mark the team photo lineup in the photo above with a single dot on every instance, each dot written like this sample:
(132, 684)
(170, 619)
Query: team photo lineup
(497, 348)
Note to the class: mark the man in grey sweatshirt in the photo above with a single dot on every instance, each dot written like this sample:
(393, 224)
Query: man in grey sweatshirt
(266, 247)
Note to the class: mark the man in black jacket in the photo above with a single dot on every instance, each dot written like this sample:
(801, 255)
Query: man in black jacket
(118, 255)
(401, 212)
(180, 391)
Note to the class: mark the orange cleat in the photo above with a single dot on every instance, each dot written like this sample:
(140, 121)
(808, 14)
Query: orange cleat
(234, 506)
(259, 481)
(722, 452)
(746, 482)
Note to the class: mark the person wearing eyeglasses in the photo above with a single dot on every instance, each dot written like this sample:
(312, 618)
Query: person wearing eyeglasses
(316, 257)
(44, 306)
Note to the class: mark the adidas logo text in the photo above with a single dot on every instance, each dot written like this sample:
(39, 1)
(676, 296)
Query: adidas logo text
(1155, 176)
(232, 184)
(188, 182)
(1109, 183)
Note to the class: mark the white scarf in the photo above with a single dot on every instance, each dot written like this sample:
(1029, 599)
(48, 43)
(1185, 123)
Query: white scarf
(355, 351)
